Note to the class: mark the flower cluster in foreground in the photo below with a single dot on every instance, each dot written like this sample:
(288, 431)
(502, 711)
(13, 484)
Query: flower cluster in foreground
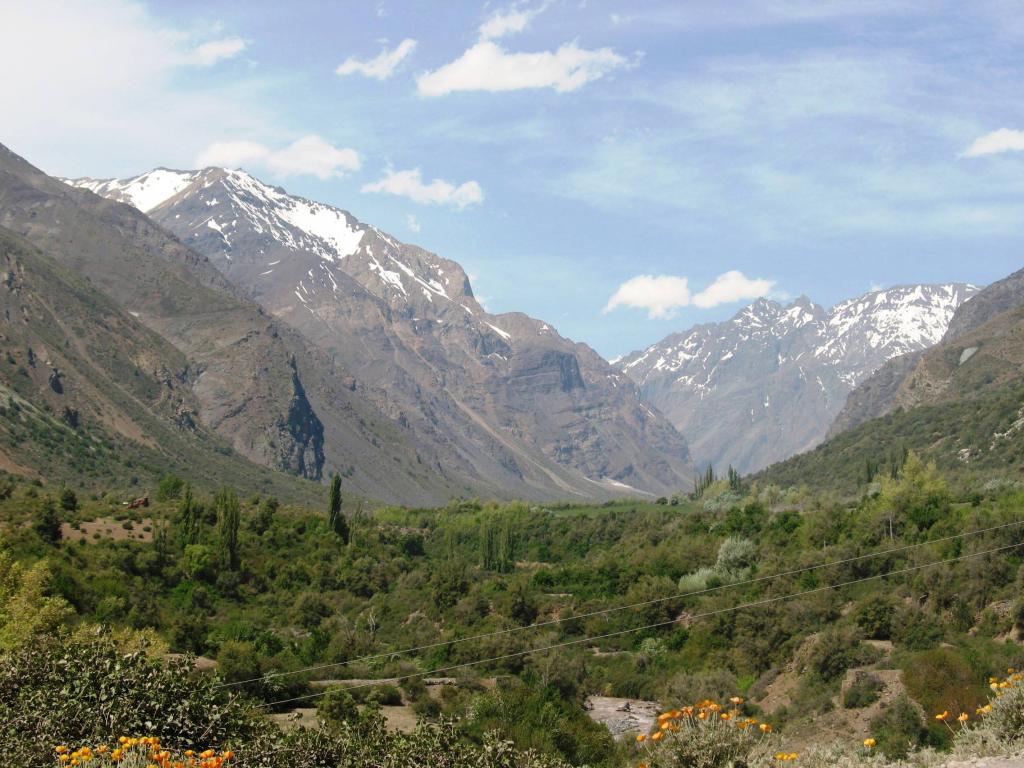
(999, 688)
(141, 752)
(705, 735)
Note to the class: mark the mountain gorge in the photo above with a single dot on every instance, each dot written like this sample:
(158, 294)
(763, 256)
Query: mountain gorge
(497, 404)
(767, 383)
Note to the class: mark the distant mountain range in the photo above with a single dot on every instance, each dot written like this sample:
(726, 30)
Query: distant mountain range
(208, 323)
(769, 382)
(959, 403)
(314, 343)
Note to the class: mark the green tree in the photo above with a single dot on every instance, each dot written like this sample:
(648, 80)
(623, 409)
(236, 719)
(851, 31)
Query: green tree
(26, 610)
(68, 500)
(265, 515)
(47, 524)
(337, 518)
(229, 515)
(170, 487)
(189, 515)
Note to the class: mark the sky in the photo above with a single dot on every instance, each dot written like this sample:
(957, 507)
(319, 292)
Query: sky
(622, 170)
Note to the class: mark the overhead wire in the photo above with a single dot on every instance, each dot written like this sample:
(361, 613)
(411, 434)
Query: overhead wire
(613, 609)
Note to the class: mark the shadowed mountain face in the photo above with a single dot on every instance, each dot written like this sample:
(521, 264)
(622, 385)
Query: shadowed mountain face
(768, 383)
(272, 396)
(503, 402)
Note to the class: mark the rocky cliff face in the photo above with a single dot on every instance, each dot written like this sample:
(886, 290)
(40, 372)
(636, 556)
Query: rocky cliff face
(768, 383)
(503, 402)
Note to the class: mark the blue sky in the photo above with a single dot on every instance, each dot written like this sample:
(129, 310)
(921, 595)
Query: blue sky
(600, 165)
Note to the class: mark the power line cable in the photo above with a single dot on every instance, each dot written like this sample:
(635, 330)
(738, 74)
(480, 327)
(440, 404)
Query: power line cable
(656, 625)
(615, 609)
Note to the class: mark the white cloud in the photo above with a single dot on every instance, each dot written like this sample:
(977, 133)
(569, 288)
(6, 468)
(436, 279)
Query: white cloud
(208, 54)
(662, 295)
(412, 222)
(314, 156)
(232, 154)
(131, 103)
(503, 23)
(1003, 140)
(489, 67)
(311, 155)
(438, 192)
(380, 67)
(731, 287)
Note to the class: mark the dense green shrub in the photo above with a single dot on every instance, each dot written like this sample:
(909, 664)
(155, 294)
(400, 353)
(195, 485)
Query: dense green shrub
(899, 729)
(863, 692)
(58, 692)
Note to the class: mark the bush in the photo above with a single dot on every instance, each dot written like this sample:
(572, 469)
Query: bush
(942, 679)
(68, 500)
(385, 696)
(170, 488)
(735, 555)
(899, 729)
(838, 650)
(702, 739)
(90, 692)
(337, 707)
(863, 692)
(874, 616)
(915, 629)
(1002, 719)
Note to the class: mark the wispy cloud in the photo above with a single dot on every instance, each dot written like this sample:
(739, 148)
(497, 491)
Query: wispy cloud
(214, 51)
(382, 66)
(311, 155)
(489, 67)
(509, 21)
(662, 295)
(410, 184)
(996, 142)
(412, 223)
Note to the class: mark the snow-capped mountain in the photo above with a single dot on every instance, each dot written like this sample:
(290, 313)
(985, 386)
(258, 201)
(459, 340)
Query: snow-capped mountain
(503, 400)
(767, 383)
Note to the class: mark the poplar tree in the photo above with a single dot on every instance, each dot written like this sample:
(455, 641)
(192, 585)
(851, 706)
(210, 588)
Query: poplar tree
(229, 517)
(337, 519)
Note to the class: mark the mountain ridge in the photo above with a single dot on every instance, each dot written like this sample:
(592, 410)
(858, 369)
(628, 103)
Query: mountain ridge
(768, 382)
(504, 397)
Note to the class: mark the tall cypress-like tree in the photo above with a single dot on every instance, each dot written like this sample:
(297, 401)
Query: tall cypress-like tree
(337, 518)
(488, 546)
(188, 517)
(229, 518)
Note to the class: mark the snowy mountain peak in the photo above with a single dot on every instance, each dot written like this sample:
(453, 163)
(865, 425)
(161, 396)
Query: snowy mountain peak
(259, 233)
(767, 382)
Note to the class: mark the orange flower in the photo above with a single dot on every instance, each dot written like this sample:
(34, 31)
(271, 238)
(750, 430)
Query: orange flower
(765, 728)
(641, 737)
(869, 743)
(943, 716)
(658, 736)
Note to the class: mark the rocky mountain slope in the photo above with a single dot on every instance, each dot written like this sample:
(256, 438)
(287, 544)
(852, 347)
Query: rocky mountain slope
(889, 389)
(92, 396)
(506, 403)
(767, 383)
(273, 397)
